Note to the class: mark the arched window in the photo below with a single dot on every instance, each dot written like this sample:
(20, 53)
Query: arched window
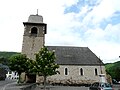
(66, 71)
(96, 72)
(34, 30)
(81, 71)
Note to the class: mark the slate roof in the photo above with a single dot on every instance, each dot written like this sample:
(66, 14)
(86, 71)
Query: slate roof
(66, 55)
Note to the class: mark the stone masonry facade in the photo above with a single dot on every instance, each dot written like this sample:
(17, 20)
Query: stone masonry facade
(32, 45)
(74, 75)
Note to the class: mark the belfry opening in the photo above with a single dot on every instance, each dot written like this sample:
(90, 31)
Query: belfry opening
(34, 30)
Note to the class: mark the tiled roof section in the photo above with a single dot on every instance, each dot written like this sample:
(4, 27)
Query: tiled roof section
(75, 56)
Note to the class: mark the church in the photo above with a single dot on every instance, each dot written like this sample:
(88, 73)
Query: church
(78, 65)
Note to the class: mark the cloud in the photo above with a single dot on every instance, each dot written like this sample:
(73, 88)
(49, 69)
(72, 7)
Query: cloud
(93, 25)
(104, 43)
(103, 39)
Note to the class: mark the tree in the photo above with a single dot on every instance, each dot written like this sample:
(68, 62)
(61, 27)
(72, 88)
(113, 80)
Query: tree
(4, 60)
(113, 69)
(117, 73)
(30, 71)
(46, 65)
(17, 63)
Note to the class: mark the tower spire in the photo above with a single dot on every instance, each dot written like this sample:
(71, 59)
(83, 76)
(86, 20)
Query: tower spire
(37, 12)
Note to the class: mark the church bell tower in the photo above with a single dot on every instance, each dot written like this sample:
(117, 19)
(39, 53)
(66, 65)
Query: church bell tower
(34, 35)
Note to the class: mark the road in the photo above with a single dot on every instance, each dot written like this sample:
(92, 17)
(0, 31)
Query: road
(63, 88)
(116, 87)
(4, 84)
(11, 85)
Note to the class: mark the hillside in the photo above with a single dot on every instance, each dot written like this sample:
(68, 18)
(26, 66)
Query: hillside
(4, 56)
(113, 69)
(109, 66)
(7, 54)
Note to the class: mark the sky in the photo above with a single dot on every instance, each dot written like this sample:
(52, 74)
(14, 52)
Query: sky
(81, 23)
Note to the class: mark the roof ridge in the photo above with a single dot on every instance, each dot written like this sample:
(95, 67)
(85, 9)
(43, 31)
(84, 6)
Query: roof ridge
(68, 46)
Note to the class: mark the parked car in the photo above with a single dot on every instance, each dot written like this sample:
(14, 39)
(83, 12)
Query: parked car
(100, 86)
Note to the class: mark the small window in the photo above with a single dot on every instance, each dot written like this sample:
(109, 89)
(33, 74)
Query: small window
(66, 71)
(96, 72)
(81, 71)
(33, 30)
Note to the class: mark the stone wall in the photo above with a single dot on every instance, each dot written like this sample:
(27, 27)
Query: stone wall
(74, 76)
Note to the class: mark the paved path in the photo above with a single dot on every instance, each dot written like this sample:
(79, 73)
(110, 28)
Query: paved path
(62, 88)
(4, 84)
(8, 85)
(116, 87)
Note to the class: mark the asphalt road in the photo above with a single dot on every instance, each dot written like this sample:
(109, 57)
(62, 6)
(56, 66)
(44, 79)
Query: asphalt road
(116, 87)
(11, 85)
(61, 88)
(5, 83)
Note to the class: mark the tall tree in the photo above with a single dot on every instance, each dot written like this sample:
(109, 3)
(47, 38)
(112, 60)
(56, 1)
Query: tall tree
(18, 63)
(46, 65)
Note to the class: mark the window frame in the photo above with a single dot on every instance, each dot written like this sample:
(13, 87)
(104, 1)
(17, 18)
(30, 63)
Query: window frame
(96, 72)
(81, 72)
(66, 73)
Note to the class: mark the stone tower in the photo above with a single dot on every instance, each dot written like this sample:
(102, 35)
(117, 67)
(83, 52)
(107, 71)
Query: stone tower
(34, 35)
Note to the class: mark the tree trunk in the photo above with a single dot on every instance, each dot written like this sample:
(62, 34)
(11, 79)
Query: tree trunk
(19, 78)
(45, 82)
(25, 78)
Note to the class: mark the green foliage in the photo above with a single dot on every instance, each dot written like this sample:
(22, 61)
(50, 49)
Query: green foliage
(113, 69)
(4, 60)
(7, 54)
(18, 63)
(30, 69)
(4, 57)
(45, 60)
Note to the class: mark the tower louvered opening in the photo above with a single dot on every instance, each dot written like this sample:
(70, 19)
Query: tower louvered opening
(34, 31)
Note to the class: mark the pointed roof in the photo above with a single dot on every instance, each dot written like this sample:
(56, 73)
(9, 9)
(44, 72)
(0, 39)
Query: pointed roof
(75, 56)
(35, 20)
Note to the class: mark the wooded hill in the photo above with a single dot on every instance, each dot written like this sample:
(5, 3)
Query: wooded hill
(4, 60)
(7, 54)
(4, 56)
(113, 69)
